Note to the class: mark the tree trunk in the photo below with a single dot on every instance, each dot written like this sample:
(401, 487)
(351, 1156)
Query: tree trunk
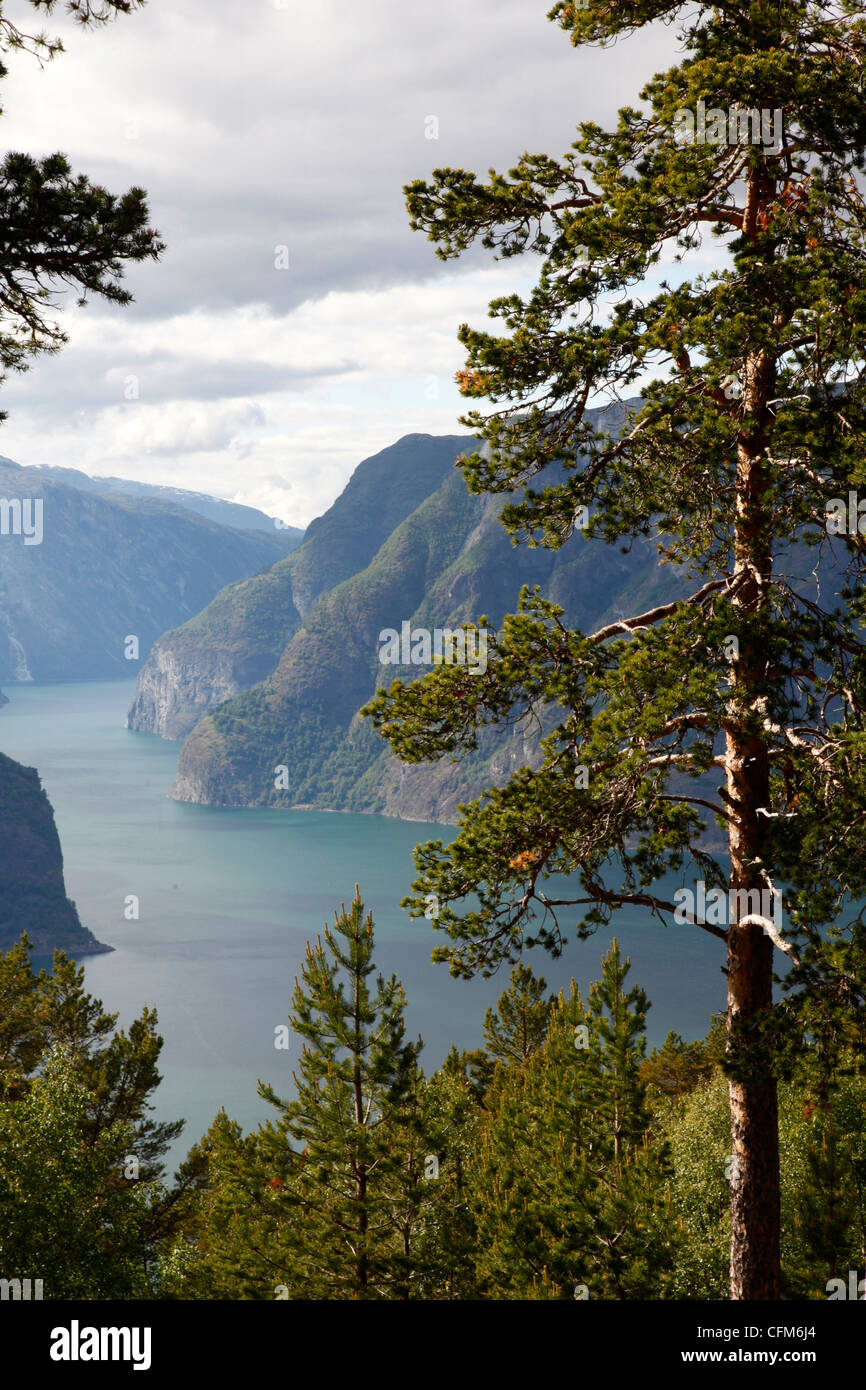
(362, 1263)
(755, 1255)
(755, 1199)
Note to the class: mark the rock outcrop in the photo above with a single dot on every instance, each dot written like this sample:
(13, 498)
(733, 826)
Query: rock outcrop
(33, 897)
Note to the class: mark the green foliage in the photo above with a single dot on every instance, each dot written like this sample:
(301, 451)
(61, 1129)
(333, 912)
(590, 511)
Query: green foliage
(22, 1040)
(748, 365)
(569, 1183)
(518, 1026)
(446, 1240)
(823, 1170)
(699, 1135)
(734, 713)
(575, 1168)
(79, 1149)
(325, 1202)
(69, 1216)
(355, 1181)
(676, 1068)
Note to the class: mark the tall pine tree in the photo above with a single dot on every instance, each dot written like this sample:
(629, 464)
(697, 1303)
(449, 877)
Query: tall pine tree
(736, 702)
(355, 1166)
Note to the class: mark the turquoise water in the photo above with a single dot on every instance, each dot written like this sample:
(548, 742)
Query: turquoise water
(228, 899)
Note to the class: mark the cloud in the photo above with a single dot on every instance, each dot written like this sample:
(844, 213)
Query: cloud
(266, 126)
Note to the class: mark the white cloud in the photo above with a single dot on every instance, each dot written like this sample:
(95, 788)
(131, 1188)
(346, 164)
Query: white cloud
(255, 126)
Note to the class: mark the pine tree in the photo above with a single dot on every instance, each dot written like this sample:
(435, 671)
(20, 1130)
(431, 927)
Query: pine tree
(517, 1028)
(115, 1074)
(447, 1240)
(514, 1030)
(677, 1067)
(617, 1023)
(570, 1186)
(738, 697)
(232, 1244)
(22, 1035)
(355, 1179)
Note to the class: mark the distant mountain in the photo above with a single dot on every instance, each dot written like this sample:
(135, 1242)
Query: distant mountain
(83, 571)
(233, 514)
(33, 896)
(284, 661)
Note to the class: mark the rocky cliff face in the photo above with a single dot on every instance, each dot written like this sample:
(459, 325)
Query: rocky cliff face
(234, 643)
(296, 738)
(282, 664)
(172, 695)
(238, 640)
(33, 897)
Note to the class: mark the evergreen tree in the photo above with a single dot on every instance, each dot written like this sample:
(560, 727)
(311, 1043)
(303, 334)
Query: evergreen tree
(677, 1067)
(617, 1023)
(446, 1240)
(570, 1186)
(740, 694)
(118, 1069)
(360, 1188)
(514, 1030)
(354, 1182)
(22, 1037)
(232, 1244)
(517, 1028)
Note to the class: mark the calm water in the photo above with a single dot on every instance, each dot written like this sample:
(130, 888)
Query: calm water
(228, 899)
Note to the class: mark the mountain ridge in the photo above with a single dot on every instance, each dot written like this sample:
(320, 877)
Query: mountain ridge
(101, 568)
(237, 515)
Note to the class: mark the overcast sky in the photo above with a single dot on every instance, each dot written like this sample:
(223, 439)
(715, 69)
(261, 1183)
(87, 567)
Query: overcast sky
(271, 123)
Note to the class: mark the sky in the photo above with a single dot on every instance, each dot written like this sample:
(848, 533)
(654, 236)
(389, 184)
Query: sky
(266, 132)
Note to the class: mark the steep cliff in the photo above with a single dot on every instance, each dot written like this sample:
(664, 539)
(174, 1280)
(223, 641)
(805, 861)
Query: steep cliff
(33, 897)
(239, 638)
(295, 737)
(269, 680)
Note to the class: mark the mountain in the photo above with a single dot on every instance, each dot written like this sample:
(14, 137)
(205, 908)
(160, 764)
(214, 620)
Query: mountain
(239, 638)
(82, 572)
(31, 871)
(234, 514)
(279, 665)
